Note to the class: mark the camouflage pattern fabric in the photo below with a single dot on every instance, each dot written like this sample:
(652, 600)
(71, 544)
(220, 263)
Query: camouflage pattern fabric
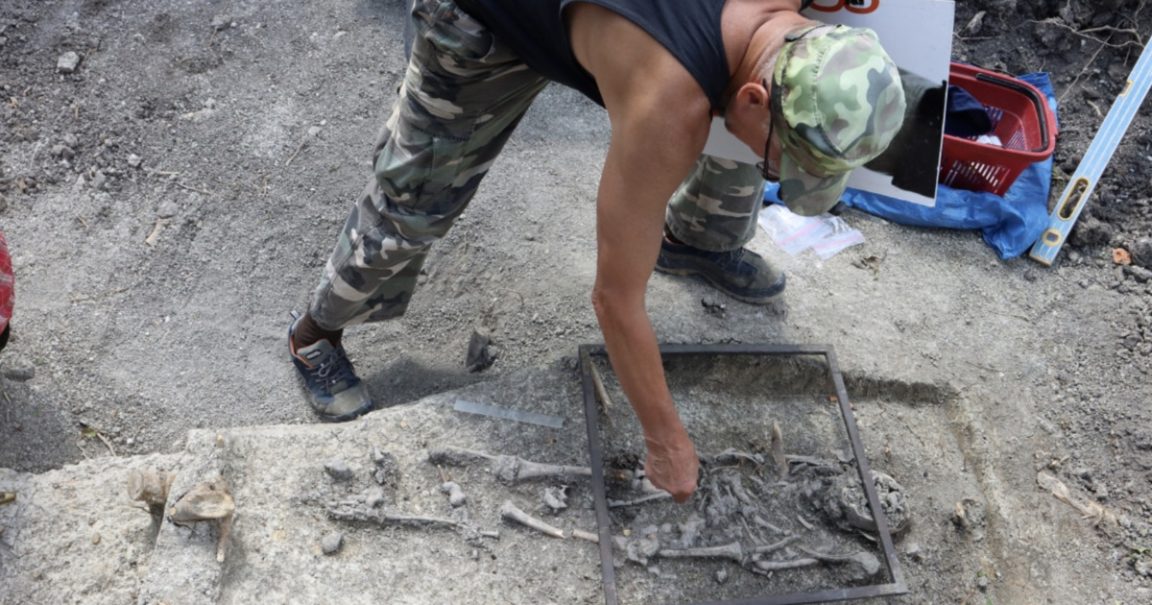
(840, 99)
(463, 94)
(715, 208)
(461, 98)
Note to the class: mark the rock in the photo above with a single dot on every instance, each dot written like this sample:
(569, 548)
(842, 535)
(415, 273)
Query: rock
(713, 306)
(1140, 274)
(976, 24)
(480, 356)
(63, 151)
(1141, 251)
(167, 209)
(338, 470)
(1090, 231)
(456, 496)
(375, 498)
(99, 181)
(982, 582)
(914, 552)
(222, 22)
(18, 371)
(721, 575)
(134, 160)
(387, 469)
(332, 542)
(68, 62)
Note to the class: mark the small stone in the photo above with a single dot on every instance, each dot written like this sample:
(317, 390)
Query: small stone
(338, 470)
(134, 160)
(168, 209)
(332, 542)
(976, 24)
(221, 22)
(721, 575)
(68, 62)
(1141, 251)
(982, 582)
(99, 181)
(63, 151)
(375, 498)
(1140, 274)
(95, 537)
(18, 371)
(914, 552)
(456, 496)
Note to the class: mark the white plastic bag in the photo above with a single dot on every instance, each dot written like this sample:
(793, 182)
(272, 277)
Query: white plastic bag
(825, 234)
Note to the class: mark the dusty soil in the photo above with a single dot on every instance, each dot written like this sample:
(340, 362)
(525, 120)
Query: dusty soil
(172, 199)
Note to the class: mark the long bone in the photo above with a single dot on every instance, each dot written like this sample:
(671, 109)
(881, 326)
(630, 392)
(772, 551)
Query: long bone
(352, 513)
(510, 512)
(866, 560)
(507, 469)
(733, 551)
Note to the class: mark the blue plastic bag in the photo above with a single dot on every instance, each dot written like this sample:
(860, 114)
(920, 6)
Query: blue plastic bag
(1010, 224)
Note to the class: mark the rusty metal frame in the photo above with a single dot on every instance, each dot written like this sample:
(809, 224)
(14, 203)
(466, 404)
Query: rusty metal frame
(897, 585)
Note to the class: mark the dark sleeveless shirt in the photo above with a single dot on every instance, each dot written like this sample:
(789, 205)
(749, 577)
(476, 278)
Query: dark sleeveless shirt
(536, 30)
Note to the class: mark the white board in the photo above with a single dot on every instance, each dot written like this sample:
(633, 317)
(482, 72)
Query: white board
(917, 35)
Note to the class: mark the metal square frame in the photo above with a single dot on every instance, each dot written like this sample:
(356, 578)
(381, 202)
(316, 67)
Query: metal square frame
(596, 458)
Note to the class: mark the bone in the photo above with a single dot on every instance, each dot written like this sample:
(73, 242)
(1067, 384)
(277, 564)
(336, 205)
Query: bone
(819, 466)
(776, 448)
(732, 552)
(207, 501)
(730, 457)
(150, 486)
(585, 535)
(351, 512)
(509, 512)
(598, 385)
(641, 500)
(456, 496)
(782, 565)
(507, 469)
(773, 547)
(866, 560)
(556, 498)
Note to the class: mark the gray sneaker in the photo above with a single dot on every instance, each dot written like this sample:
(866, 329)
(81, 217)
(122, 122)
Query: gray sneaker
(741, 274)
(334, 390)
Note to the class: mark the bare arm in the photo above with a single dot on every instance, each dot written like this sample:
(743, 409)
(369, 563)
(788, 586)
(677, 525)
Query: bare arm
(659, 125)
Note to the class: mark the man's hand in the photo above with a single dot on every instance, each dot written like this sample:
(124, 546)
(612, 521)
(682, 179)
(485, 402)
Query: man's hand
(672, 464)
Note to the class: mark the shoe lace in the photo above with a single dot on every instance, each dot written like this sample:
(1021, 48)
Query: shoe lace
(335, 369)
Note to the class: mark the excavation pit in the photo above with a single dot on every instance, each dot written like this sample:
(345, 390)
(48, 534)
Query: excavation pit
(782, 516)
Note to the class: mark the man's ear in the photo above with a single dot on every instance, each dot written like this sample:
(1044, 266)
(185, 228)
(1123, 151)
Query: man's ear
(751, 96)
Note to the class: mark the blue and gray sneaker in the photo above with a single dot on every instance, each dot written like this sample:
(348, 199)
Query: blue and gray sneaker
(334, 390)
(741, 273)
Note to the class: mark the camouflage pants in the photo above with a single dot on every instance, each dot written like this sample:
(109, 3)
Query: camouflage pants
(463, 94)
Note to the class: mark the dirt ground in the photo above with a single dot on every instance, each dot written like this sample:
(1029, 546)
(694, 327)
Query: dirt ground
(172, 199)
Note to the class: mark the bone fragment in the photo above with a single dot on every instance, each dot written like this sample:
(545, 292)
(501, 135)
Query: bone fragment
(358, 514)
(1091, 510)
(556, 498)
(662, 495)
(509, 512)
(762, 522)
(866, 560)
(730, 457)
(150, 486)
(788, 564)
(818, 465)
(773, 547)
(732, 552)
(207, 501)
(601, 392)
(456, 496)
(508, 469)
(586, 536)
(776, 448)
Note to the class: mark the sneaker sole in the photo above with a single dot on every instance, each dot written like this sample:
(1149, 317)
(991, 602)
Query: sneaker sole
(777, 290)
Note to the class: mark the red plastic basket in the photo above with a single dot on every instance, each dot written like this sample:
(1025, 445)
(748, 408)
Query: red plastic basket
(1022, 120)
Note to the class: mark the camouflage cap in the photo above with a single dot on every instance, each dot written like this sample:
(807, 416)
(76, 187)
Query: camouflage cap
(840, 100)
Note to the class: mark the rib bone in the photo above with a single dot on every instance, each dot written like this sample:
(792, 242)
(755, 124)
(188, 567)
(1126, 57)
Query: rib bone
(509, 512)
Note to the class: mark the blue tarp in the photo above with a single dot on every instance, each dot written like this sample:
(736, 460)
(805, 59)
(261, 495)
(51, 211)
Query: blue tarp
(1010, 224)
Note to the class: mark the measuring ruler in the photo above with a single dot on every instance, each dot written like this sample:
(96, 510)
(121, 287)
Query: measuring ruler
(1087, 174)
